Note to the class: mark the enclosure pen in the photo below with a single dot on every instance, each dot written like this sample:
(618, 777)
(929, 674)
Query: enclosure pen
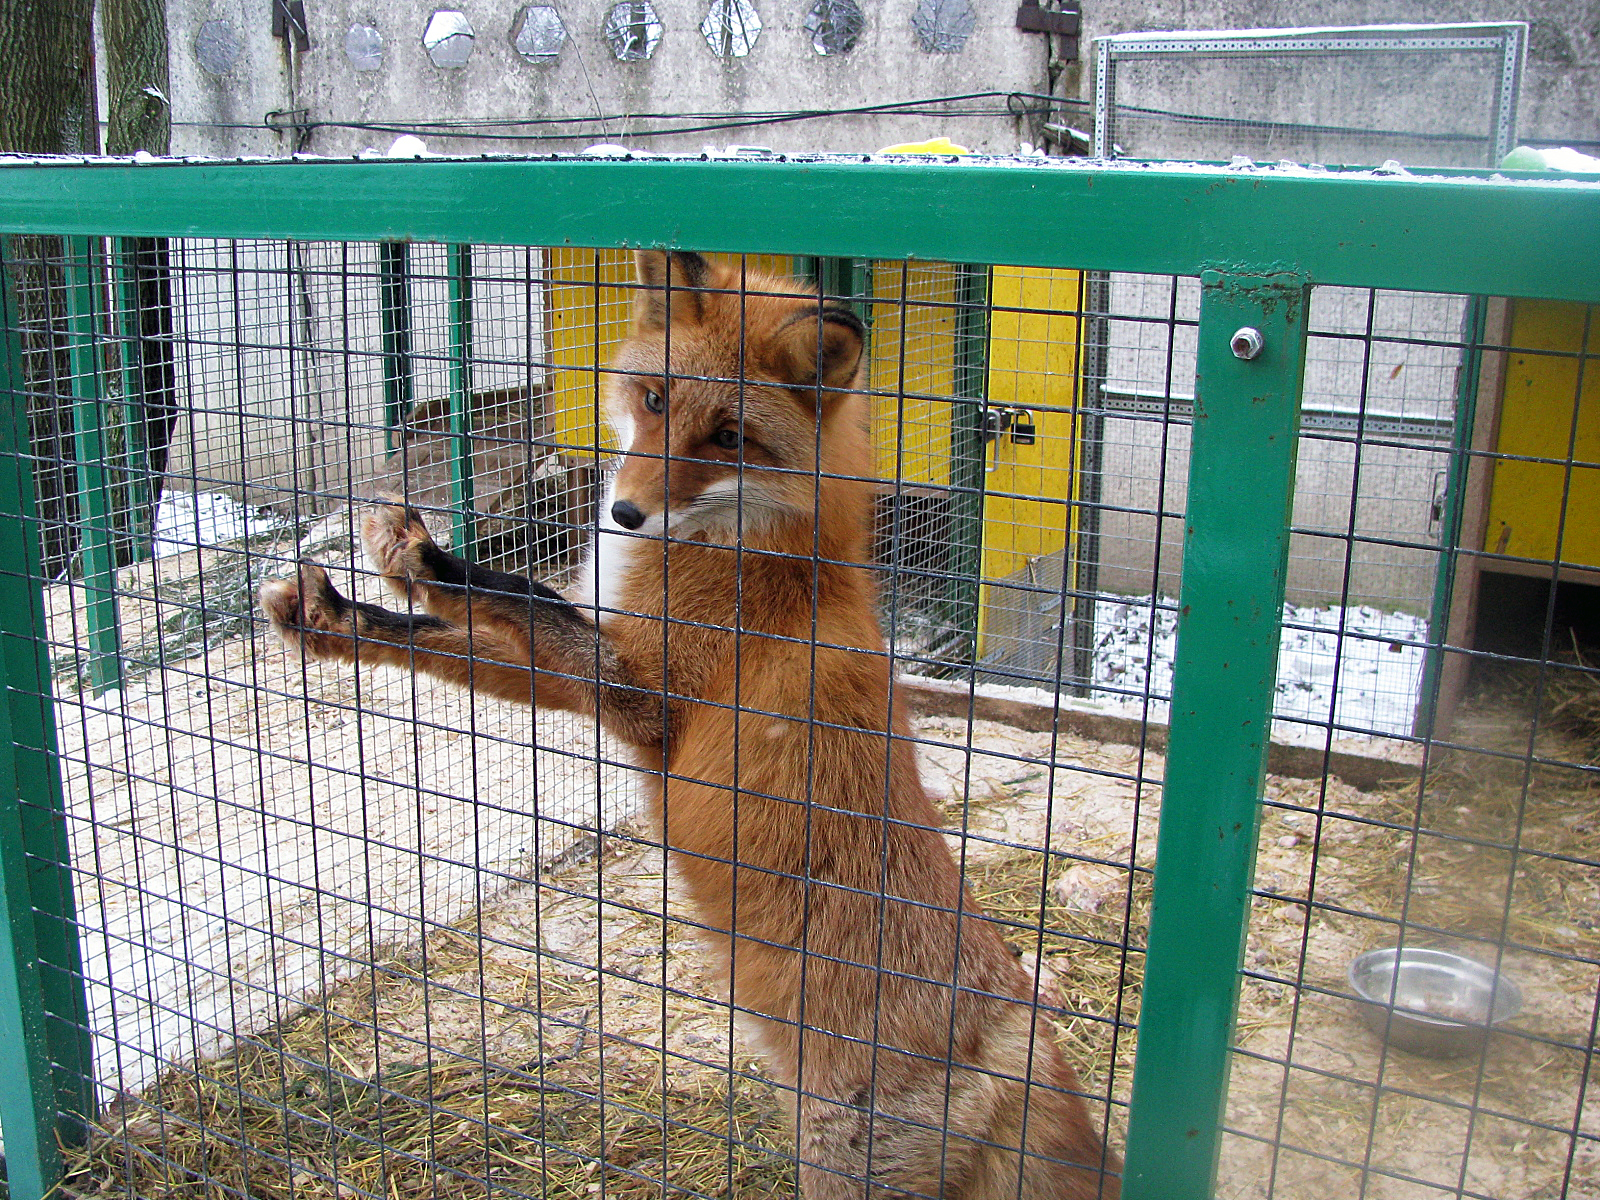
(1200, 571)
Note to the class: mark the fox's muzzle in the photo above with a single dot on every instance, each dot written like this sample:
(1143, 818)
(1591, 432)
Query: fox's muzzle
(627, 514)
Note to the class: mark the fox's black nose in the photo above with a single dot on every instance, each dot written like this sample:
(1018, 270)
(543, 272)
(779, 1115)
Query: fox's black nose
(627, 515)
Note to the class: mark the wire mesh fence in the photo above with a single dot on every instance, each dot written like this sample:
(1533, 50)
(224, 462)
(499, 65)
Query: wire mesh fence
(348, 930)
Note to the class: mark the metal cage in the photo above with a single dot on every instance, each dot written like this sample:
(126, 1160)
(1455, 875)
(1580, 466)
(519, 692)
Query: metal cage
(277, 928)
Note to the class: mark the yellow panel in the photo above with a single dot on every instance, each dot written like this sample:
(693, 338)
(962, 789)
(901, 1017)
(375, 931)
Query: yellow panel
(914, 327)
(1536, 421)
(1033, 365)
(589, 311)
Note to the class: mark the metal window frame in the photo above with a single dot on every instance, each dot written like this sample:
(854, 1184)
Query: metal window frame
(1509, 38)
(1257, 238)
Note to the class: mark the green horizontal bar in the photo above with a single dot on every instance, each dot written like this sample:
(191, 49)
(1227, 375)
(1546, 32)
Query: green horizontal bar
(1475, 234)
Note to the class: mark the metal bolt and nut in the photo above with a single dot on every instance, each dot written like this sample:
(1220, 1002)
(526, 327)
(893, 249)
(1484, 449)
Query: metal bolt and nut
(1246, 343)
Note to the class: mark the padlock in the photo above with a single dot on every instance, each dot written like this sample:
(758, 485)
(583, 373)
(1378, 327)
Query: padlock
(1022, 429)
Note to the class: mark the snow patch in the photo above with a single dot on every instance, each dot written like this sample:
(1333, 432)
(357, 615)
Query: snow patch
(1357, 667)
(192, 520)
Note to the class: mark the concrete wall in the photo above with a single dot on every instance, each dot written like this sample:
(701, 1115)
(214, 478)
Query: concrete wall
(224, 114)
(782, 72)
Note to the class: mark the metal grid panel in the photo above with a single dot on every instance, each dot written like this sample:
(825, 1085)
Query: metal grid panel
(1421, 95)
(1487, 851)
(435, 1007)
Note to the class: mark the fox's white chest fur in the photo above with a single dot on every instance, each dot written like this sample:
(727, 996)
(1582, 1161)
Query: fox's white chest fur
(611, 557)
(614, 551)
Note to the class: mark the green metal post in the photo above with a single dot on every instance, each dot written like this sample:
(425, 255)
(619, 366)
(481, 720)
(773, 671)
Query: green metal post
(464, 533)
(849, 279)
(97, 533)
(46, 1067)
(394, 314)
(969, 457)
(135, 463)
(1452, 512)
(1236, 545)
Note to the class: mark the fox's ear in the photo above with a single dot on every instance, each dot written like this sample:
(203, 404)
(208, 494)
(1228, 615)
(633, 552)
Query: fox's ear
(669, 280)
(822, 346)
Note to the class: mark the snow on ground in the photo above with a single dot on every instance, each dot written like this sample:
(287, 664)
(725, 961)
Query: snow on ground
(247, 830)
(193, 520)
(1370, 660)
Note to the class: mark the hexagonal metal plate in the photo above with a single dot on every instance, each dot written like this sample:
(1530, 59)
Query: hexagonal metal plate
(449, 39)
(218, 45)
(633, 30)
(943, 26)
(834, 25)
(363, 46)
(731, 28)
(538, 34)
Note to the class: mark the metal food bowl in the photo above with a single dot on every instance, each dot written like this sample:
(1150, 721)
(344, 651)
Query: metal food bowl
(1431, 1001)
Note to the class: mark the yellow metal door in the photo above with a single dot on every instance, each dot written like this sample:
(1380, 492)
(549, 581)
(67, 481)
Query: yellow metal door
(1029, 521)
(1546, 414)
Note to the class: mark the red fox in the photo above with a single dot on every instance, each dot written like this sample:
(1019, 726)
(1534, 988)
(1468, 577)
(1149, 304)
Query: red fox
(726, 628)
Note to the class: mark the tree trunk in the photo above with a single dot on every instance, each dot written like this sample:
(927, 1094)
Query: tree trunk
(47, 106)
(47, 100)
(140, 118)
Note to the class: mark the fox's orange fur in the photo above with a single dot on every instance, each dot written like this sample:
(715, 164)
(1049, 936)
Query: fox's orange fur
(894, 1014)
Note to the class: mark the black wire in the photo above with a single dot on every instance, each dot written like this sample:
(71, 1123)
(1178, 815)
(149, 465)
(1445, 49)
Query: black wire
(1017, 104)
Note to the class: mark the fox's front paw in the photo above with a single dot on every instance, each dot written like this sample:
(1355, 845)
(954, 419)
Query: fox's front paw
(397, 542)
(310, 615)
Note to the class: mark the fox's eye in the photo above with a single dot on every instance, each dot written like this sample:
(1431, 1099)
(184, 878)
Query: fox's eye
(728, 439)
(653, 401)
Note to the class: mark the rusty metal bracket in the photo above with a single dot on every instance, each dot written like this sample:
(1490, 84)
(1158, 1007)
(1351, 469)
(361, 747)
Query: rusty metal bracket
(1062, 17)
(289, 20)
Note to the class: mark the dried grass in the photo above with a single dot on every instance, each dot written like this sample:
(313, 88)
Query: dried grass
(382, 1089)
(333, 1104)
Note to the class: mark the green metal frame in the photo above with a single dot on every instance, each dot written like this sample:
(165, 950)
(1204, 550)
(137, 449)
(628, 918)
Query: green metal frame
(1421, 234)
(463, 520)
(1236, 553)
(394, 315)
(134, 465)
(46, 1061)
(969, 459)
(1258, 239)
(97, 510)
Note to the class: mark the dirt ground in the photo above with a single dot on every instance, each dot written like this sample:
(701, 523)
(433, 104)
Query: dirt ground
(405, 912)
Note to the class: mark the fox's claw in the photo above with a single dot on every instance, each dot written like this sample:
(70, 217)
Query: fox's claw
(396, 541)
(309, 613)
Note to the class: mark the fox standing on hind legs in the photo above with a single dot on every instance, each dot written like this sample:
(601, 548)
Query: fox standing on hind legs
(726, 628)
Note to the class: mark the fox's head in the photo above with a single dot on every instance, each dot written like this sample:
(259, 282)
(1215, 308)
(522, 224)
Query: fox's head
(732, 400)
